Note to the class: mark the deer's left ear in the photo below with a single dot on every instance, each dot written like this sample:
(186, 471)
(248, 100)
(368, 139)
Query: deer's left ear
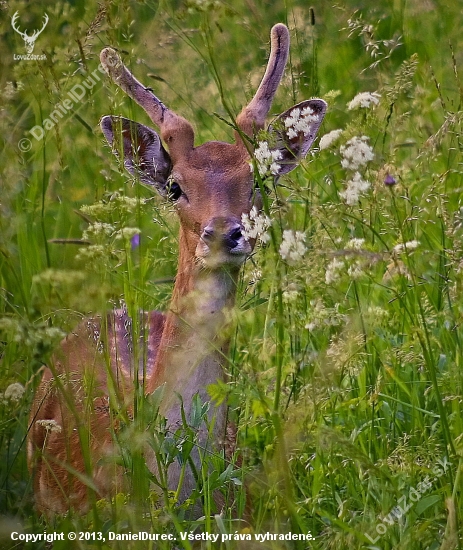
(140, 148)
(295, 132)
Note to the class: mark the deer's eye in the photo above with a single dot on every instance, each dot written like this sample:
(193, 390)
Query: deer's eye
(174, 191)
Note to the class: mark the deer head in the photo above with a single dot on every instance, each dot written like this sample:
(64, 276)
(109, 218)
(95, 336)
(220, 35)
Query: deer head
(28, 40)
(212, 185)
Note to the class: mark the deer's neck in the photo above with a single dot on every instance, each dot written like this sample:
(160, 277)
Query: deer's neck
(193, 343)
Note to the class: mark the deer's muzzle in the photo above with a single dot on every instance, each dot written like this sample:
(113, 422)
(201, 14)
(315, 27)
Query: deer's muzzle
(222, 242)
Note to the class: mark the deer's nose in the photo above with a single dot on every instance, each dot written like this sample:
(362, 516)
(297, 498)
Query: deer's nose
(208, 234)
(233, 236)
(229, 236)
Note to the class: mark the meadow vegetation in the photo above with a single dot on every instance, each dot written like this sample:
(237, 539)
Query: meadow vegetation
(346, 375)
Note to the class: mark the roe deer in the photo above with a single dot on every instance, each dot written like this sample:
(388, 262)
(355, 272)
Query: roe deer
(212, 186)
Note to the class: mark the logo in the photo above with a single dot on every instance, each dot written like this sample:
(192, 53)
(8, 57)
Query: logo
(29, 41)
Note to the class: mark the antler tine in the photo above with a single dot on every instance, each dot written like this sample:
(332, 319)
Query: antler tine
(253, 115)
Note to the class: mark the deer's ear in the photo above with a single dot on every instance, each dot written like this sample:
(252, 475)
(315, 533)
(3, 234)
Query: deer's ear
(295, 132)
(140, 149)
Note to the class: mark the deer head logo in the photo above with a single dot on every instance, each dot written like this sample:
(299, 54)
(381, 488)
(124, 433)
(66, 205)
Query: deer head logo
(29, 41)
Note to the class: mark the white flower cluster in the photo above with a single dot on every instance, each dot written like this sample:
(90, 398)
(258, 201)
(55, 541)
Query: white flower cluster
(356, 153)
(98, 230)
(50, 425)
(58, 278)
(356, 269)
(117, 203)
(266, 160)
(353, 260)
(355, 186)
(408, 246)
(291, 294)
(334, 271)
(255, 225)
(30, 336)
(300, 121)
(364, 100)
(127, 233)
(95, 253)
(355, 244)
(328, 139)
(292, 248)
(13, 393)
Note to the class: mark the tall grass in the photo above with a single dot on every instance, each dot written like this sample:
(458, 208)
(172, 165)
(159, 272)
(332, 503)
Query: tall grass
(345, 366)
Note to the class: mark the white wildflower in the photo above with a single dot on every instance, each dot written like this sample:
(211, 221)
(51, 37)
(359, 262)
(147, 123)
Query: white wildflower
(328, 139)
(311, 326)
(97, 230)
(300, 121)
(117, 203)
(356, 270)
(50, 425)
(290, 294)
(334, 271)
(401, 247)
(58, 278)
(354, 188)
(364, 100)
(255, 225)
(14, 392)
(93, 253)
(408, 246)
(355, 244)
(28, 335)
(127, 233)
(292, 248)
(266, 159)
(356, 153)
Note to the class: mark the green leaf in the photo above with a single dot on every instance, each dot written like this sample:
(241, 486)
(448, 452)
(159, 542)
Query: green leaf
(426, 503)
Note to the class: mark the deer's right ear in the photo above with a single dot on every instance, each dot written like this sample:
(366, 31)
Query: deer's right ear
(296, 130)
(141, 150)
